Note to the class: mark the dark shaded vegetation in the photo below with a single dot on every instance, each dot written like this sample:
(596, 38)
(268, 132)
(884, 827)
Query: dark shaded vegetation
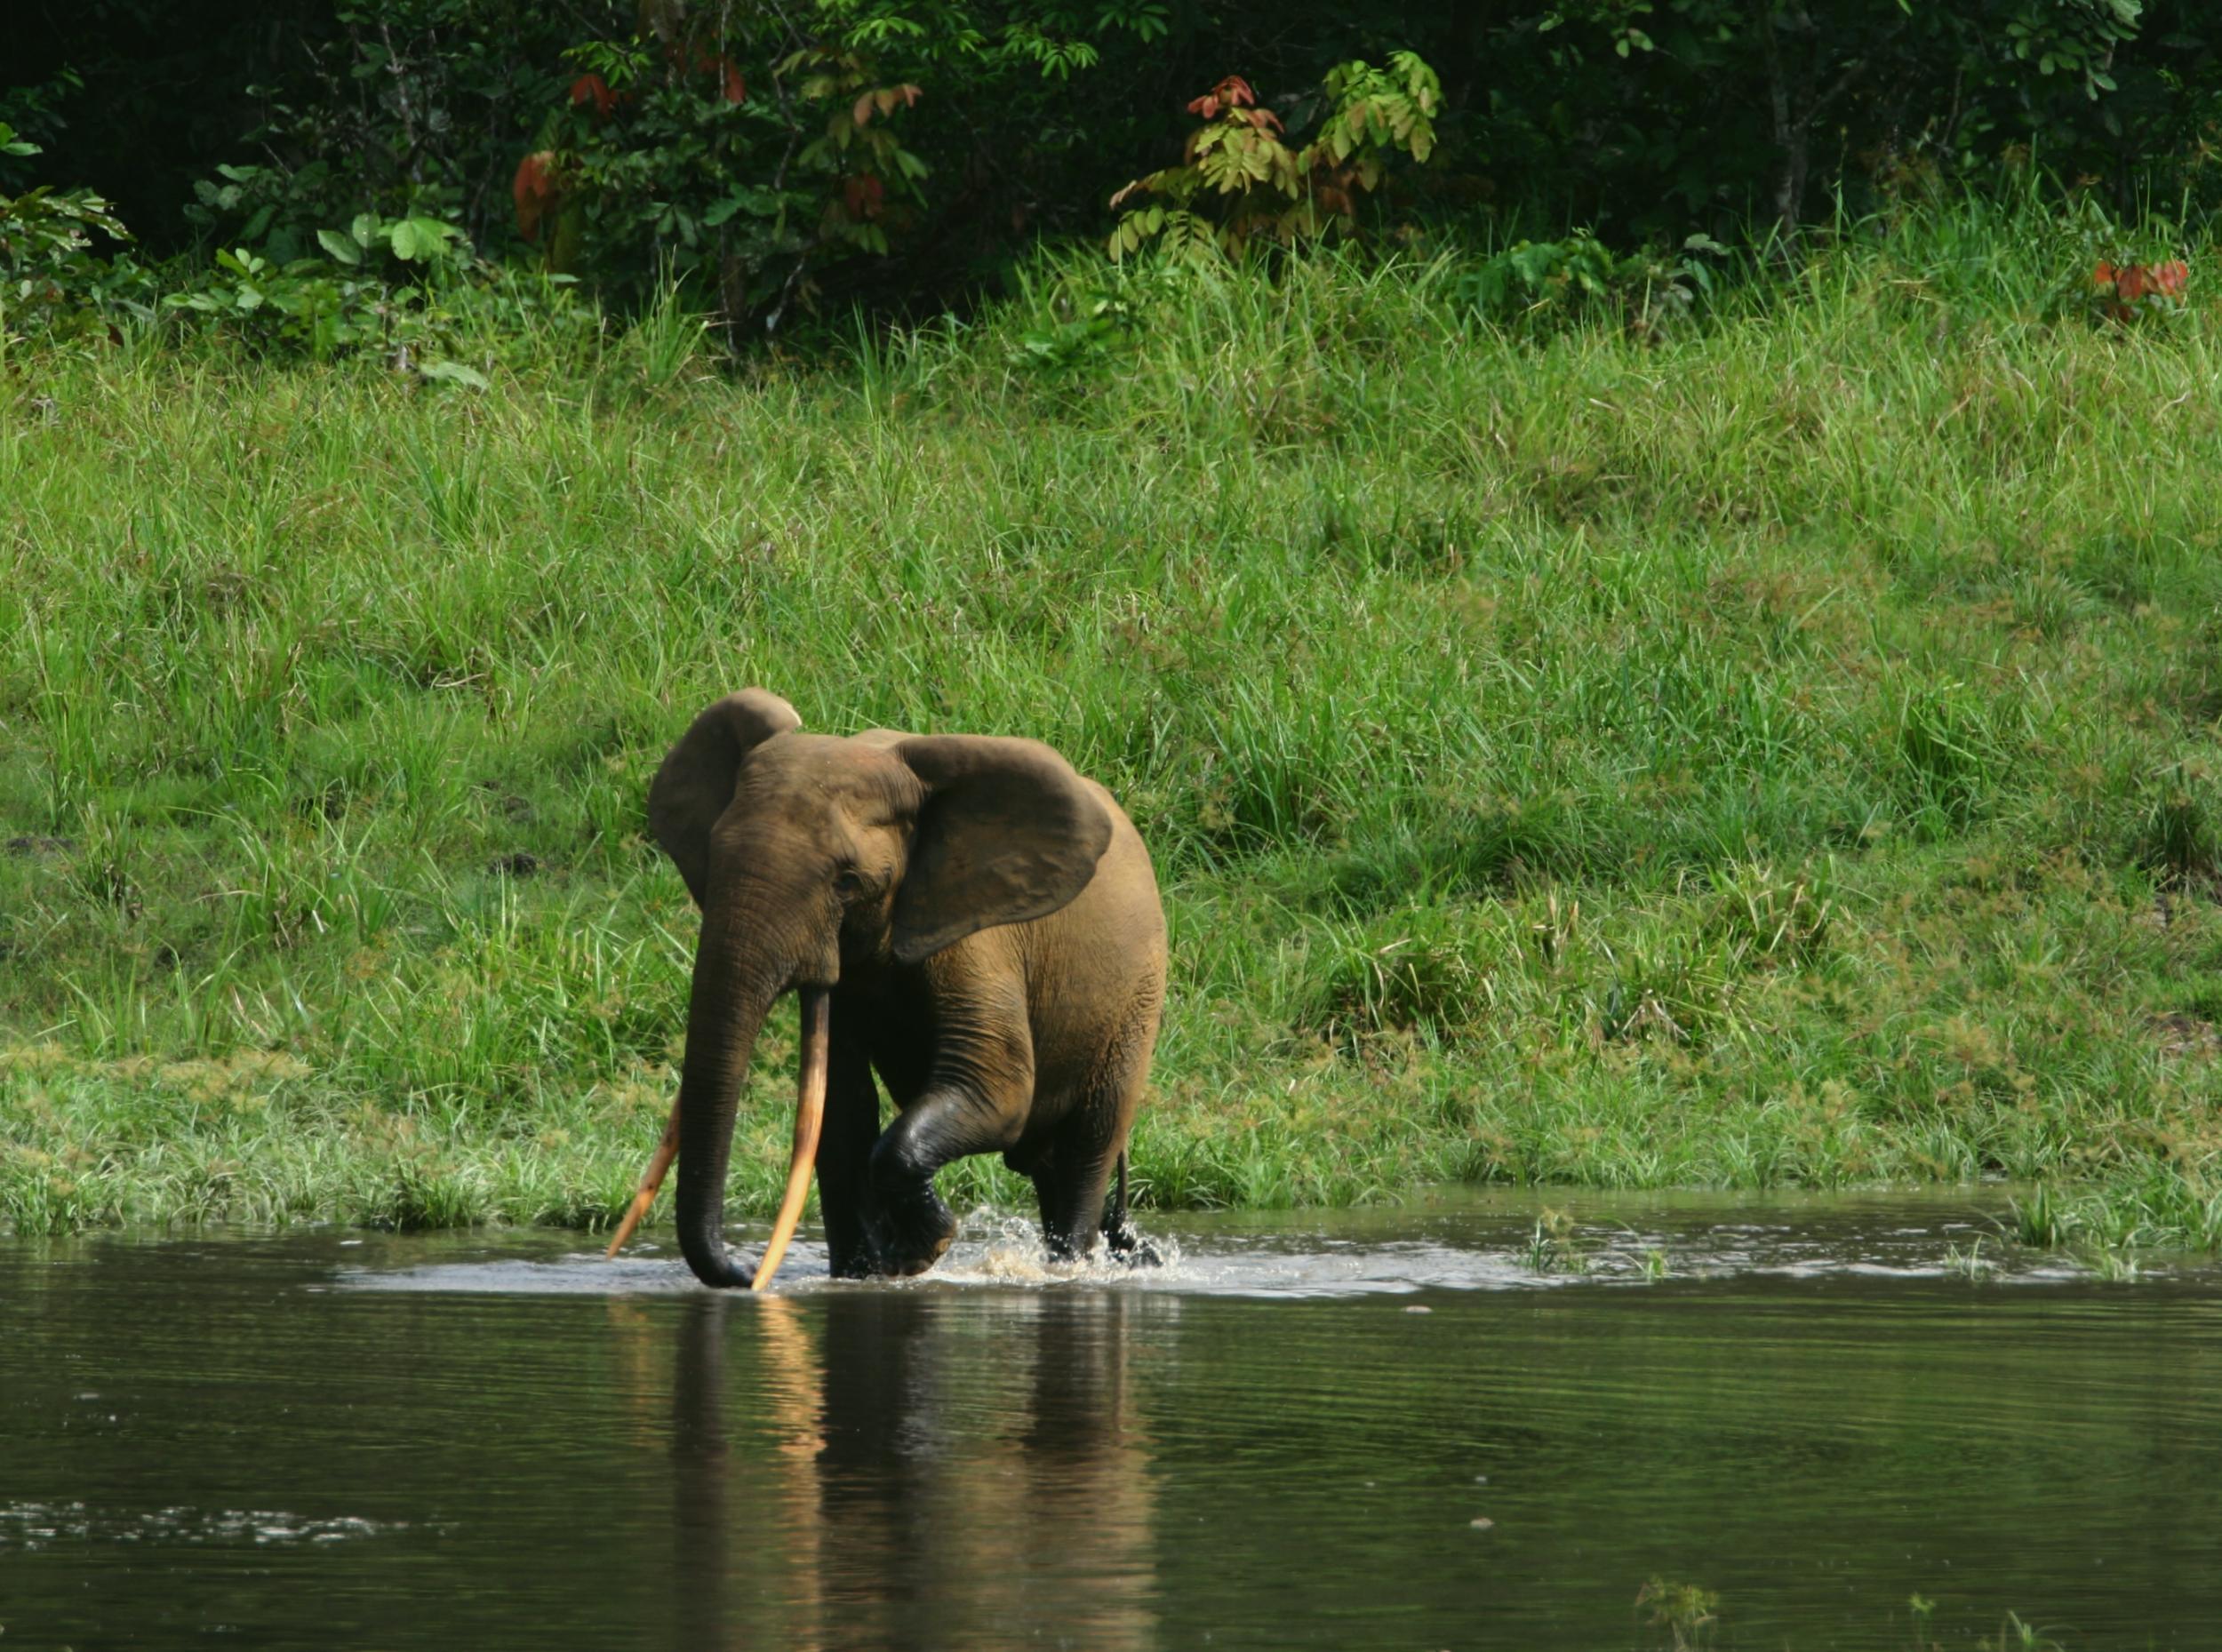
(788, 160)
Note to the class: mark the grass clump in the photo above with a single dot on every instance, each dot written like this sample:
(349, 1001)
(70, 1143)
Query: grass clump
(1770, 751)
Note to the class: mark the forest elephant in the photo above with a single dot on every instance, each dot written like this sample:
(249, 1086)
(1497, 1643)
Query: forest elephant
(964, 916)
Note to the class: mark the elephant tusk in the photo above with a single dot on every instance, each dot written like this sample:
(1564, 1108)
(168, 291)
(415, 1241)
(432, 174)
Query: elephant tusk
(667, 1150)
(809, 1113)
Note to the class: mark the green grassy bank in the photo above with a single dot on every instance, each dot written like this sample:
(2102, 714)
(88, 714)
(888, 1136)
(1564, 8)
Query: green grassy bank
(1781, 753)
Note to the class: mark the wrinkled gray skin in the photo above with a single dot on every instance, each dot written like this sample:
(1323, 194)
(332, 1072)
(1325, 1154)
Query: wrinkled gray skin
(988, 926)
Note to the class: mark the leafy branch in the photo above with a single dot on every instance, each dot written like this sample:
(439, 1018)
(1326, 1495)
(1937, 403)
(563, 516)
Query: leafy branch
(1239, 181)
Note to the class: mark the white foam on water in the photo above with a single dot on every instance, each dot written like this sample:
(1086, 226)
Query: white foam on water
(31, 1526)
(1346, 1253)
(583, 1273)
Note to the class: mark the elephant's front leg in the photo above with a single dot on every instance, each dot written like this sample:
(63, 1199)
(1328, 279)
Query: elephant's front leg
(844, 1154)
(949, 1120)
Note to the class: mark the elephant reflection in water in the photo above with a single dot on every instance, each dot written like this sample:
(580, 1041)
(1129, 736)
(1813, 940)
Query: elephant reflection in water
(911, 1470)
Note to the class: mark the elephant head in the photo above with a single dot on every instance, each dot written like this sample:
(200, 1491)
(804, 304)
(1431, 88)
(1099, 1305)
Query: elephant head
(811, 855)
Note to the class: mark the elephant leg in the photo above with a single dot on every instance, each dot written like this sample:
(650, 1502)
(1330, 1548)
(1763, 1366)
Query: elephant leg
(844, 1154)
(1083, 1187)
(910, 1224)
(1072, 1183)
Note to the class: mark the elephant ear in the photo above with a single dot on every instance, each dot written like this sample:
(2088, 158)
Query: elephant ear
(695, 784)
(1007, 832)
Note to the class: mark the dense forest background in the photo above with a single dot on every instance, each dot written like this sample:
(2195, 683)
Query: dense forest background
(792, 157)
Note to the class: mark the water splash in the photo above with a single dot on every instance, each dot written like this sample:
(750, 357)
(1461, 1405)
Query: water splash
(1009, 1252)
(1475, 1244)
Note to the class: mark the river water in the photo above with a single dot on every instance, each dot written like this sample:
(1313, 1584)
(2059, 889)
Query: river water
(1433, 1426)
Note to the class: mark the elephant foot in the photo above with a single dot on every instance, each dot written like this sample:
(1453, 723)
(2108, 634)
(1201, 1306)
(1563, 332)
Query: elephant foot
(1130, 1250)
(915, 1234)
(852, 1265)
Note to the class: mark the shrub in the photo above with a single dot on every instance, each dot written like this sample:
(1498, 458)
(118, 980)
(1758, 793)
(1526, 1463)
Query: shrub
(48, 272)
(1578, 275)
(1239, 182)
(409, 291)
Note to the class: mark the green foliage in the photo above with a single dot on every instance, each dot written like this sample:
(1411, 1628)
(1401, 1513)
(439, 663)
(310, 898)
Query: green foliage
(1686, 1611)
(28, 120)
(268, 208)
(1240, 182)
(1052, 39)
(2175, 1206)
(666, 167)
(730, 146)
(1548, 282)
(406, 108)
(1554, 1247)
(48, 271)
(1713, 90)
(1427, 966)
(406, 289)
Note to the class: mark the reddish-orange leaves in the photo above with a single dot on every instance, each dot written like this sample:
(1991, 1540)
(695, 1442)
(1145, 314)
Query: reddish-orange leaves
(2130, 283)
(864, 197)
(536, 190)
(595, 90)
(1233, 92)
(733, 88)
(592, 89)
(883, 101)
(1233, 96)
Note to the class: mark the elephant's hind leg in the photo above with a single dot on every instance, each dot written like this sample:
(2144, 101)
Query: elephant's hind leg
(1071, 1183)
(1083, 1183)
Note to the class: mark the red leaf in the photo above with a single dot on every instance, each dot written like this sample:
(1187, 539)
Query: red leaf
(863, 196)
(1233, 92)
(2129, 283)
(731, 85)
(536, 191)
(595, 90)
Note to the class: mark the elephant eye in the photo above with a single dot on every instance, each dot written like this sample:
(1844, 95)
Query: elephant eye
(849, 880)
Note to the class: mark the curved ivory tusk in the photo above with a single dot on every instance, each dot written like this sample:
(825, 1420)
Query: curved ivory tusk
(809, 1113)
(651, 1180)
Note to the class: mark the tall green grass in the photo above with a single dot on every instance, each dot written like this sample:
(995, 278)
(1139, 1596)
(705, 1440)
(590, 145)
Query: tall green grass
(1781, 751)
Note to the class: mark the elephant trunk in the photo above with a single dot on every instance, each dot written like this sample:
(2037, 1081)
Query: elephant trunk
(731, 997)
